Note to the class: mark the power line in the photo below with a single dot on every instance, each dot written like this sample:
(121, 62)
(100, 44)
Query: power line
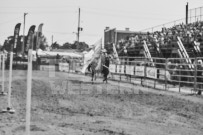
(90, 34)
(37, 7)
(9, 21)
(118, 11)
(160, 25)
(4, 34)
(43, 12)
(61, 33)
(83, 7)
(123, 16)
(72, 33)
(91, 9)
(87, 12)
(10, 12)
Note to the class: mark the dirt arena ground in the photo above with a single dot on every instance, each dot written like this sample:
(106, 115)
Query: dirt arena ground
(68, 104)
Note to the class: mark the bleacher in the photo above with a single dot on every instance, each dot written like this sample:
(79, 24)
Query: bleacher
(164, 43)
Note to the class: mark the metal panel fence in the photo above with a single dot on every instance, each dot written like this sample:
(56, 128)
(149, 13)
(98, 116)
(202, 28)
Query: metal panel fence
(165, 72)
(160, 73)
(195, 14)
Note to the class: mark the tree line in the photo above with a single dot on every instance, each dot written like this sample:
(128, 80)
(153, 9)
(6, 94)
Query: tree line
(81, 46)
(10, 41)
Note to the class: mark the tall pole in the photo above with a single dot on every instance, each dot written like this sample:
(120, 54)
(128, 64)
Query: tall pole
(3, 68)
(16, 35)
(78, 37)
(200, 14)
(186, 18)
(23, 46)
(195, 14)
(29, 88)
(52, 39)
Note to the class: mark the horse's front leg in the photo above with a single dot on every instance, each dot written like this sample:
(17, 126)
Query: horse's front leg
(106, 78)
(93, 76)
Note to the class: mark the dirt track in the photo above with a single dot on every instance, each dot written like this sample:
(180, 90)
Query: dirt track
(112, 109)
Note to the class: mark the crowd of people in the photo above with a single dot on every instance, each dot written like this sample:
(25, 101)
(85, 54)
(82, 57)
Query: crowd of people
(167, 36)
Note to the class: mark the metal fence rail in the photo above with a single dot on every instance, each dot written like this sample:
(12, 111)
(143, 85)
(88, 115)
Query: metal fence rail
(161, 73)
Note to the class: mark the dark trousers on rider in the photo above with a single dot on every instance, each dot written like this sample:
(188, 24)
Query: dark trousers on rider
(105, 72)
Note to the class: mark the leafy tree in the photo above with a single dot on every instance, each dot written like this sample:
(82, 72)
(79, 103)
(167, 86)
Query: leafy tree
(10, 40)
(66, 45)
(55, 45)
(8, 43)
(82, 46)
(74, 45)
(43, 42)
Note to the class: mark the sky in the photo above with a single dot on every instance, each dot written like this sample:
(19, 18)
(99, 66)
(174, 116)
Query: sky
(60, 17)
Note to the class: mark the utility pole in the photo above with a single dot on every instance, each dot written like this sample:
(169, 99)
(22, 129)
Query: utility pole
(186, 18)
(78, 34)
(52, 39)
(23, 46)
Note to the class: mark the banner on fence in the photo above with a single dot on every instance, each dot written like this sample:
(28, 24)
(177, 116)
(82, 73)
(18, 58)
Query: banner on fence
(64, 67)
(120, 69)
(163, 73)
(112, 68)
(151, 72)
(139, 70)
(47, 67)
(129, 69)
(72, 66)
(78, 67)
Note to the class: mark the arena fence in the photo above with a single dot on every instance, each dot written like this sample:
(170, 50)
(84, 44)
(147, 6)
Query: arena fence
(162, 72)
(158, 73)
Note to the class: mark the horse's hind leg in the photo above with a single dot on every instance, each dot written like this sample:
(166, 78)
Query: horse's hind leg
(93, 77)
(105, 79)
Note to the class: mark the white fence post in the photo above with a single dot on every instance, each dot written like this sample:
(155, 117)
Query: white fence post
(3, 70)
(29, 91)
(9, 109)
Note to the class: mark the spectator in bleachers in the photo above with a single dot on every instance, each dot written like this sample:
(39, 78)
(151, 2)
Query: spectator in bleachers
(167, 36)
